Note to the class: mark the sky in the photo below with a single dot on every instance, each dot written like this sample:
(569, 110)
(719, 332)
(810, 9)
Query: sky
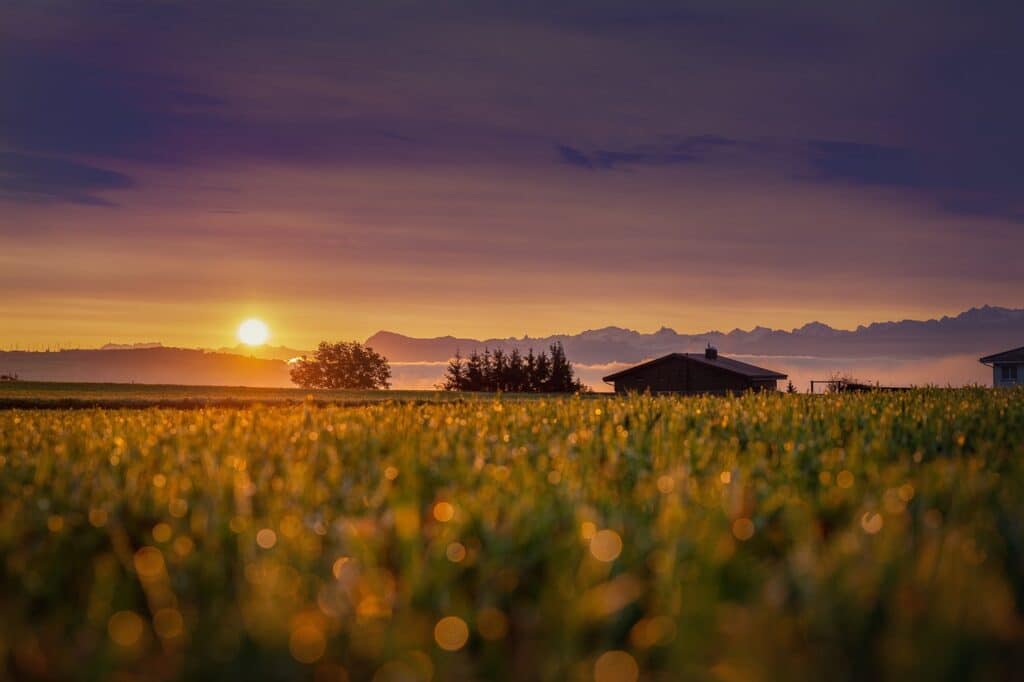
(484, 168)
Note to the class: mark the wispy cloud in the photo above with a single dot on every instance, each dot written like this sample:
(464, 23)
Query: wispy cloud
(942, 178)
(692, 149)
(32, 178)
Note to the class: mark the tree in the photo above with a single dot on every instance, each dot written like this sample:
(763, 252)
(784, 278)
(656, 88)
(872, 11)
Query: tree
(499, 370)
(840, 382)
(455, 375)
(512, 372)
(474, 373)
(790, 388)
(542, 377)
(348, 365)
(530, 372)
(562, 379)
(516, 372)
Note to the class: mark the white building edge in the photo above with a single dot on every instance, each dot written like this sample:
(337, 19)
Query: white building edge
(1007, 367)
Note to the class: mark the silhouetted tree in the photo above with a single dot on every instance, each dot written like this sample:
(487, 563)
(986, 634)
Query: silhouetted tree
(516, 372)
(530, 372)
(348, 365)
(474, 373)
(500, 371)
(562, 379)
(540, 380)
(790, 388)
(455, 375)
(840, 382)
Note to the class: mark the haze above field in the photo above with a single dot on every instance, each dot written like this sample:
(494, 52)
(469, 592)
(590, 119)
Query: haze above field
(486, 169)
(943, 351)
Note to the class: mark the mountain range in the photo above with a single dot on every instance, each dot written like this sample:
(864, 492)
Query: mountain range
(978, 330)
(813, 349)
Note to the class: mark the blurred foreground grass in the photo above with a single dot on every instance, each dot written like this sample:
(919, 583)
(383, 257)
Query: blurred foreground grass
(761, 537)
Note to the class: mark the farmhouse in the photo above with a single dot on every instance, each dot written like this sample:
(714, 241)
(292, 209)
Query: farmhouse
(706, 372)
(1007, 367)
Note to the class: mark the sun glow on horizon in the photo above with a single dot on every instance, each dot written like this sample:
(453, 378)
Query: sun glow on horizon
(253, 332)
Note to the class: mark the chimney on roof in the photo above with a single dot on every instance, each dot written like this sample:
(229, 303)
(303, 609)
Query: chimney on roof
(711, 353)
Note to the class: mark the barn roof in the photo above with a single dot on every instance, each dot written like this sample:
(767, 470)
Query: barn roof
(1014, 355)
(728, 364)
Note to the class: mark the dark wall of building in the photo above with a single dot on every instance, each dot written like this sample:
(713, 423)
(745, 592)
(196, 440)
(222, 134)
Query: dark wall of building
(708, 379)
(665, 376)
(681, 375)
(764, 385)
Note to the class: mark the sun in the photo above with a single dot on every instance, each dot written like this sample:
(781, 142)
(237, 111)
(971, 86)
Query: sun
(253, 332)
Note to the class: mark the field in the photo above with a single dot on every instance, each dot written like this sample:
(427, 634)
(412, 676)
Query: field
(762, 537)
(50, 395)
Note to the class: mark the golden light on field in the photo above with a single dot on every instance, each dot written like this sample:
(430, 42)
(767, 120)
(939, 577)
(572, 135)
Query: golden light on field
(606, 545)
(743, 529)
(266, 538)
(98, 517)
(125, 628)
(162, 532)
(339, 566)
(492, 623)
(168, 623)
(456, 552)
(149, 562)
(322, 580)
(253, 332)
(307, 643)
(871, 522)
(616, 666)
(444, 512)
(451, 633)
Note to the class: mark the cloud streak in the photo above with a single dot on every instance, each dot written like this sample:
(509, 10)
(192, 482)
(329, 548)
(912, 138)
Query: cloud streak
(42, 179)
(685, 150)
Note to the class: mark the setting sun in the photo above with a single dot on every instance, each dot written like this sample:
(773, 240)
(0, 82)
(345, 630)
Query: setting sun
(253, 332)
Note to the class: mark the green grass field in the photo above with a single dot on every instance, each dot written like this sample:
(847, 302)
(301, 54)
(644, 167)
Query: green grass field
(43, 394)
(762, 537)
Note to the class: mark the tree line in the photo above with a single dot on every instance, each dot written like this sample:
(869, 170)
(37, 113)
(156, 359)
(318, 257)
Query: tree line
(549, 372)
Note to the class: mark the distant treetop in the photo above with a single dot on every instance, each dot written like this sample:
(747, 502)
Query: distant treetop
(343, 365)
(513, 372)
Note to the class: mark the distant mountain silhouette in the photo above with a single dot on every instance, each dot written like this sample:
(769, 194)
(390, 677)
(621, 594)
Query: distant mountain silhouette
(814, 348)
(131, 346)
(978, 330)
(264, 352)
(145, 366)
